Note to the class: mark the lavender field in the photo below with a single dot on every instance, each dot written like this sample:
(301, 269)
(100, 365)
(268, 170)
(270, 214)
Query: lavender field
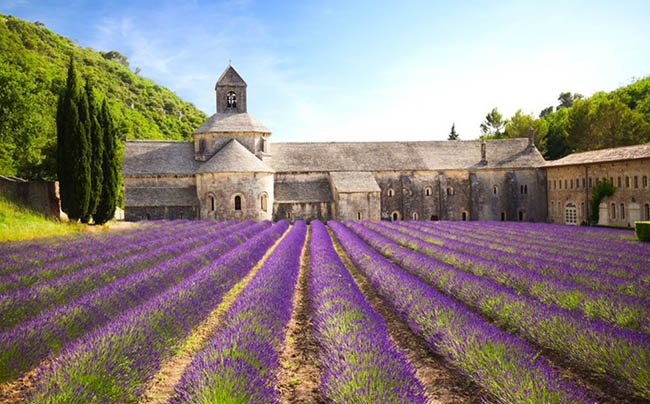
(343, 312)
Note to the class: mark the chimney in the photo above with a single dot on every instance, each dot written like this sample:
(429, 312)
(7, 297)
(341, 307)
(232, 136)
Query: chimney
(531, 137)
(483, 161)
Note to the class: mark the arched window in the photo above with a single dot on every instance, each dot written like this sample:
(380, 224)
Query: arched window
(622, 211)
(414, 216)
(201, 145)
(612, 211)
(231, 99)
(237, 202)
(503, 216)
(495, 189)
(395, 215)
(390, 192)
(463, 216)
(450, 191)
(522, 215)
(428, 191)
(570, 214)
(358, 215)
(644, 181)
(212, 202)
(263, 201)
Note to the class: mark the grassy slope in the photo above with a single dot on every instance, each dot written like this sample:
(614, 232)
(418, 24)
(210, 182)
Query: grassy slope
(33, 56)
(18, 223)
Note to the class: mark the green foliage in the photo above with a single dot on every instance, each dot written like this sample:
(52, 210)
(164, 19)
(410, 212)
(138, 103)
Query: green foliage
(97, 150)
(74, 148)
(493, 125)
(567, 99)
(519, 126)
(453, 135)
(111, 167)
(602, 190)
(642, 230)
(33, 62)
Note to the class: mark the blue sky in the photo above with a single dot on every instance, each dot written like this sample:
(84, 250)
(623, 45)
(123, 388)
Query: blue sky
(368, 70)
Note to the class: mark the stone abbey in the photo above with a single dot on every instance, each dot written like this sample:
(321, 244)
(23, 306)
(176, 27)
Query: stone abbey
(232, 170)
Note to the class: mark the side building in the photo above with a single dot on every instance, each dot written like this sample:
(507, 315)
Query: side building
(571, 181)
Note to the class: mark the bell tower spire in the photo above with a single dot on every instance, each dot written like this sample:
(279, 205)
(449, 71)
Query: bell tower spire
(231, 92)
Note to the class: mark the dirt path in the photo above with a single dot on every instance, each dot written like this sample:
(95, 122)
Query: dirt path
(443, 383)
(17, 390)
(299, 377)
(161, 386)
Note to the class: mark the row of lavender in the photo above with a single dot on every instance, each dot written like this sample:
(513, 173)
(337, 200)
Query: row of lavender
(620, 301)
(618, 354)
(508, 368)
(57, 326)
(114, 362)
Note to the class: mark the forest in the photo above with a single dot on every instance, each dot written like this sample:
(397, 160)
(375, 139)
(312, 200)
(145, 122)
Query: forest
(33, 65)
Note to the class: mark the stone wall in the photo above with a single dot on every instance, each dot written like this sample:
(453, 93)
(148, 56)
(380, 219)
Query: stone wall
(171, 181)
(213, 142)
(225, 187)
(137, 213)
(573, 185)
(41, 196)
(349, 206)
(307, 211)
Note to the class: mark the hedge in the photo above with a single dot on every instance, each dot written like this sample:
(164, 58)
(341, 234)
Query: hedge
(642, 230)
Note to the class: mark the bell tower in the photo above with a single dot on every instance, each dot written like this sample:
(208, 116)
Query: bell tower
(231, 92)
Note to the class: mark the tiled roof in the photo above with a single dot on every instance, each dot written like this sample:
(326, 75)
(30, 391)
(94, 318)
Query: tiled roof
(300, 191)
(232, 122)
(354, 181)
(232, 158)
(154, 196)
(641, 151)
(399, 156)
(142, 157)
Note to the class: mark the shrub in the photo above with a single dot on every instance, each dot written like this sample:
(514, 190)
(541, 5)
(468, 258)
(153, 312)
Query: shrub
(642, 230)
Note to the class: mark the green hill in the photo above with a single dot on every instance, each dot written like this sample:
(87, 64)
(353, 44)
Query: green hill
(33, 65)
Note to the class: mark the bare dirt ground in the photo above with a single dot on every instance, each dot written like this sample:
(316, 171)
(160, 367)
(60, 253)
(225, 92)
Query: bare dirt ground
(161, 386)
(443, 383)
(17, 390)
(299, 377)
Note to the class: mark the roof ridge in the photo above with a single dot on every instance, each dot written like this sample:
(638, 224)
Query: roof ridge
(514, 139)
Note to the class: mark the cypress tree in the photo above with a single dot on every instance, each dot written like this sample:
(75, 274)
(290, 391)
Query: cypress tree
(73, 148)
(97, 150)
(110, 167)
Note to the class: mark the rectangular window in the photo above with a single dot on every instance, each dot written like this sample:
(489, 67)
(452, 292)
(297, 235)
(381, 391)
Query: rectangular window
(571, 183)
(565, 184)
(645, 181)
(612, 212)
(583, 182)
(619, 181)
(636, 182)
(627, 182)
(622, 211)
(554, 184)
(589, 182)
(582, 210)
(611, 180)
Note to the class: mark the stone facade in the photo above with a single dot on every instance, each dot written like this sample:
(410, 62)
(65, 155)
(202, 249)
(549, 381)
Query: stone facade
(42, 196)
(231, 170)
(571, 183)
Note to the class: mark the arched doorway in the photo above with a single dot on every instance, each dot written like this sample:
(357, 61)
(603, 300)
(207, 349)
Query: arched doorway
(570, 214)
(395, 215)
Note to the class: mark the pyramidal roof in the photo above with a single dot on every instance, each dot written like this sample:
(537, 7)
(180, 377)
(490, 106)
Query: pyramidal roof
(234, 158)
(230, 77)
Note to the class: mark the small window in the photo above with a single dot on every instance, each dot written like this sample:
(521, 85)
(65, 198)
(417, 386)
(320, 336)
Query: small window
(582, 210)
(554, 184)
(636, 182)
(622, 211)
(627, 182)
(390, 192)
(495, 189)
(526, 189)
(590, 183)
(503, 216)
(237, 202)
(552, 208)
(647, 211)
(463, 215)
(619, 181)
(358, 215)
(644, 181)
(428, 191)
(415, 216)
(571, 183)
(212, 203)
(521, 215)
(583, 182)
(263, 202)
(450, 191)
(566, 183)
(612, 211)
(201, 145)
